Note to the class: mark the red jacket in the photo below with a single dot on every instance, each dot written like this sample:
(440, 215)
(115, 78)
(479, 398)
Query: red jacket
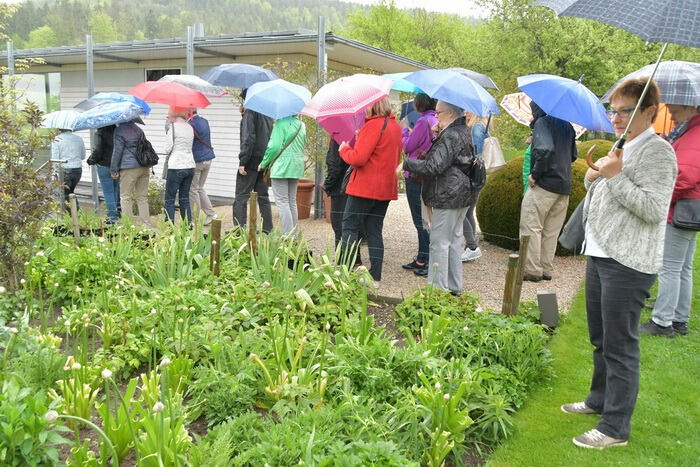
(687, 149)
(375, 157)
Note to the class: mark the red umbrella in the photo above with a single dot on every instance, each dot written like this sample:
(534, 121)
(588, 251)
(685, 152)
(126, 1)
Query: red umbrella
(170, 93)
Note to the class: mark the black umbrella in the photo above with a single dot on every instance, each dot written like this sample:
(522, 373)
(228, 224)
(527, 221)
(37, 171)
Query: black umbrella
(668, 21)
(480, 78)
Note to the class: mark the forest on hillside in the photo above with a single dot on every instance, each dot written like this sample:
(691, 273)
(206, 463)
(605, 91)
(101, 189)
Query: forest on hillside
(51, 23)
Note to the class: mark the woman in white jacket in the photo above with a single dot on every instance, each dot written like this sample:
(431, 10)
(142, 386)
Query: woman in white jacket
(181, 165)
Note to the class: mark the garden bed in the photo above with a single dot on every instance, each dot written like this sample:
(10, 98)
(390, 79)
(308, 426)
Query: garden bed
(281, 359)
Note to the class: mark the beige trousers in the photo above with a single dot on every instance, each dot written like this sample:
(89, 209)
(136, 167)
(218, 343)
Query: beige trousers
(133, 184)
(198, 197)
(542, 216)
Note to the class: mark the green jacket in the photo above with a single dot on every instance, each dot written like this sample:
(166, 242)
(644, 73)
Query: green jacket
(289, 164)
(526, 170)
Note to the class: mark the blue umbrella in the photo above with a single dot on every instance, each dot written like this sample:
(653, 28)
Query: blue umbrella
(410, 113)
(277, 98)
(122, 97)
(455, 89)
(107, 114)
(61, 119)
(238, 75)
(566, 99)
(400, 84)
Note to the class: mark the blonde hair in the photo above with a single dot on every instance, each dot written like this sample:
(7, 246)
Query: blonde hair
(473, 119)
(381, 107)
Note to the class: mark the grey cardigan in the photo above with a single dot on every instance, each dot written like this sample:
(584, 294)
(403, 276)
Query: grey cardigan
(627, 213)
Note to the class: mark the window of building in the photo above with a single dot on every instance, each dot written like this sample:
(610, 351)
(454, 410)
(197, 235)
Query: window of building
(156, 74)
(44, 89)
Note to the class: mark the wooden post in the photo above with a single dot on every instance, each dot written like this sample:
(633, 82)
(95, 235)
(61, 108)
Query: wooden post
(74, 216)
(215, 254)
(253, 222)
(507, 309)
(518, 284)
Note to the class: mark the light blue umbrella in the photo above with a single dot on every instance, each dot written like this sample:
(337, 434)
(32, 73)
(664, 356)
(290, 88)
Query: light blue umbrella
(61, 119)
(400, 84)
(107, 114)
(277, 98)
(455, 89)
(566, 99)
(122, 97)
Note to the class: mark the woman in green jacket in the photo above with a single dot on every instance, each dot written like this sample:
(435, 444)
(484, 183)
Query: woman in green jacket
(285, 157)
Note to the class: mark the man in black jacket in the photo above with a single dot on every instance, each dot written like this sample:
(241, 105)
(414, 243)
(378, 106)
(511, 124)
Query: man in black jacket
(255, 134)
(543, 210)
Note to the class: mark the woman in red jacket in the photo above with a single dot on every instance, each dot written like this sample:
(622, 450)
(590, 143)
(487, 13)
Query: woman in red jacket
(672, 308)
(373, 182)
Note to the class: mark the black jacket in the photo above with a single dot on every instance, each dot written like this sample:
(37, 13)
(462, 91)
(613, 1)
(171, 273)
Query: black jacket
(552, 153)
(445, 170)
(104, 144)
(255, 134)
(336, 168)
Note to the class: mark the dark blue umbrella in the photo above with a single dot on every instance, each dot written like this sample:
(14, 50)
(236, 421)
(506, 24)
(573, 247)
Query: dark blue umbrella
(410, 113)
(455, 89)
(676, 21)
(238, 75)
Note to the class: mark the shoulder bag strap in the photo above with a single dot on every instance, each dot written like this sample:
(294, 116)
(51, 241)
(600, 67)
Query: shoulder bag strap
(196, 135)
(287, 145)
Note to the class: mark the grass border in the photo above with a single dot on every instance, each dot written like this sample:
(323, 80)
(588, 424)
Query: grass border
(666, 419)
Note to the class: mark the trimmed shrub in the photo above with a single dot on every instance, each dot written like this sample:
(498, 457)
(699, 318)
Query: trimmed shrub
(498, 208)
(603, 148)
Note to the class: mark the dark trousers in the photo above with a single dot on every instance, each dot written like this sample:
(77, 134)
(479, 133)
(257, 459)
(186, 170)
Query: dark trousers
(615, 296)
(71, 177)
(366, 216)
(337, 212)
(245, 184)
(178, 182)
(413, 190)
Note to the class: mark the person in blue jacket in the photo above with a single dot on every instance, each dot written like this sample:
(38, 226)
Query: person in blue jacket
(203, 155)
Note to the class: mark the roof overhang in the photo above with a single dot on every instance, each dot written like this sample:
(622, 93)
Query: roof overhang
(234, 47)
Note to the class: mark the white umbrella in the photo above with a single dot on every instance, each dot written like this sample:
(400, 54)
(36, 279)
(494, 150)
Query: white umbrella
(196, 83)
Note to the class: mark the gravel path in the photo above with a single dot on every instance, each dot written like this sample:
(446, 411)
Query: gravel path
(485, 276)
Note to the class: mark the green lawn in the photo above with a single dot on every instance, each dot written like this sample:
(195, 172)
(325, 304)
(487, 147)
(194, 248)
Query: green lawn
(666, 421)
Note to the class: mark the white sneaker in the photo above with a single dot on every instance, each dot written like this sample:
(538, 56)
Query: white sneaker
(471, 255)
(208, 219)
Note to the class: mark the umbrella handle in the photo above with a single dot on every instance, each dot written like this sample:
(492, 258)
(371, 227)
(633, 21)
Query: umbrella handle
(589, 158)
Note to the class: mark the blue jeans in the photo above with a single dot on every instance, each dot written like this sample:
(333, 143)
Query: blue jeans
(178, 182)
(110, 190)
(676, 277)
(413, 190)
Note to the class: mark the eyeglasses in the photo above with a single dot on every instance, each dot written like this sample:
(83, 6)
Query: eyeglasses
(623, 113)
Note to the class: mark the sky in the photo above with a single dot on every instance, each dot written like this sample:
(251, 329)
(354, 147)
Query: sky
(460, 7)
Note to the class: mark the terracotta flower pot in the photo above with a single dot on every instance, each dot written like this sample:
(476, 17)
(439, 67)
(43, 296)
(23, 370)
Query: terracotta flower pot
(305, 193)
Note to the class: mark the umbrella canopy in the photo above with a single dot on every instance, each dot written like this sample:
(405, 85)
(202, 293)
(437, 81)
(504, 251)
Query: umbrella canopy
(347, 96)
(410, 113)
(400, 84)
(61, 119)
(679, 82)
(675, 21)
(238, 75)
(121, 97)
(169, 93)
(343, 127)
(110, 113)
(196, 83)
(480, 78)
(566, 99)
(277, 98)
(518, 106)
(456, 89)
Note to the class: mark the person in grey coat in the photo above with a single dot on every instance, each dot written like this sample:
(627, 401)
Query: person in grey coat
(624, 216)
(133, 178)
(447, 190)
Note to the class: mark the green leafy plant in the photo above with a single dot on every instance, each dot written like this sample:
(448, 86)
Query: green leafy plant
(26, 436)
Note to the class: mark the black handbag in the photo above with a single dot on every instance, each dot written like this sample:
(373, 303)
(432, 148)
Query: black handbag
(574, 232)
(686, 214)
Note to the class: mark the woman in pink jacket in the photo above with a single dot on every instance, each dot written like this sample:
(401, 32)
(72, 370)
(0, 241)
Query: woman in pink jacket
(672, 309)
